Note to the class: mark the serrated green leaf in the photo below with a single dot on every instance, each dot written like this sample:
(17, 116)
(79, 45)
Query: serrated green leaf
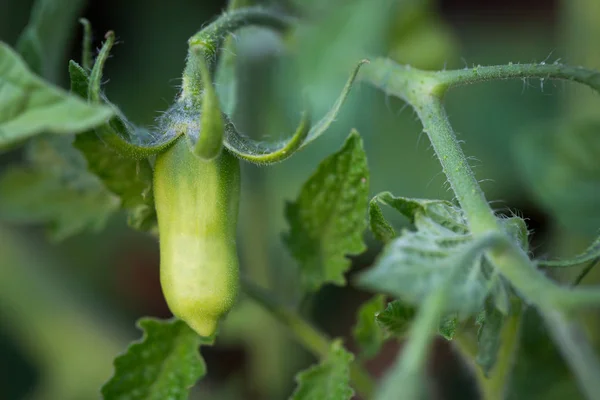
(53, 188)
(129, 179)
(396, 318)
(590, 254)
(329, 380)
(327, 220)
(489, 337)
(165, 364)
(42, 43)
(30, 106)
(560, 165)
(367, 332)
(414, 265)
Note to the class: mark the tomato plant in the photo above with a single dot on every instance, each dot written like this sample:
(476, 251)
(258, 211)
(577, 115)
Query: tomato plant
(458, 269)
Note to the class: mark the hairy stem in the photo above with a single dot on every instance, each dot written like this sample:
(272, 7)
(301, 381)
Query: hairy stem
(307, 335)
(477, 74)
(424, 92)
(455, 165)
(210, 41)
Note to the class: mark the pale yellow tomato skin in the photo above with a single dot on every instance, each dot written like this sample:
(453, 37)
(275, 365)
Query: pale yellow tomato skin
(197, 205)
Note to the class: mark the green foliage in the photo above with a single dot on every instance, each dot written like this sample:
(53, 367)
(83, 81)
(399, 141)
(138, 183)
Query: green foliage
(42, 43)
(165, 364)
(30, 106)
(459, 261)
(52, 188)
(560, 167)
(413, 265)
(489, 337)
(367, 332)
(327, 219)
(129, 179)
(328, 380)
(396, 318)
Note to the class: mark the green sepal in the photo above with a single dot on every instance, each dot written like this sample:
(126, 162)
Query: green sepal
(117, 130)
(212, 127)
(269, 153)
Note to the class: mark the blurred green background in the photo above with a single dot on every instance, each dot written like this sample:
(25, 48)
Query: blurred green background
(66, 309)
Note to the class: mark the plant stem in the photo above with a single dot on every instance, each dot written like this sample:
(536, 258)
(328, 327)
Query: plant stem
(307, 335)
(455, 165)
(424, 92)
(477, 74)
(514, 263)
(210, 41)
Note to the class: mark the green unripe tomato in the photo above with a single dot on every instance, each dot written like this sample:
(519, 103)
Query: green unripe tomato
(197, 208)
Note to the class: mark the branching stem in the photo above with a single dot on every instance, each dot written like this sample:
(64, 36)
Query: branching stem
(424, 91)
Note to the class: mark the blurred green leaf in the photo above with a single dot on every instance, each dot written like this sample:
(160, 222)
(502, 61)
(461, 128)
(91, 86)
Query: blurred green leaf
(490, 323)
(60, 329)
(328, 380)
(30, 106)
(415, 264)
(52, 189)
(165, 364)
(42, 42)
(130, 180)
(367, 332)
(327, 220)
(396, 318)
(561, 167)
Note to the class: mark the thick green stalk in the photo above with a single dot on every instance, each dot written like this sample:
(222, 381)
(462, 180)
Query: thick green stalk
(308, 336)
(455, 165)
(513, 264)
